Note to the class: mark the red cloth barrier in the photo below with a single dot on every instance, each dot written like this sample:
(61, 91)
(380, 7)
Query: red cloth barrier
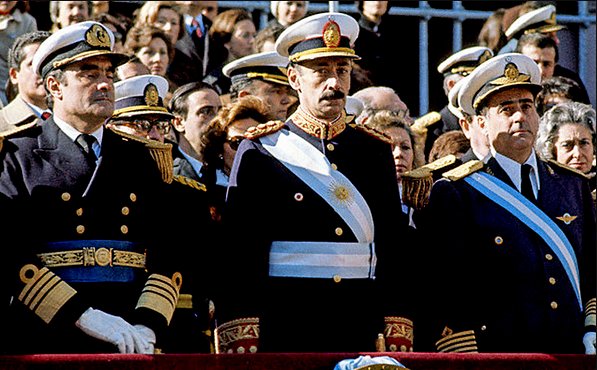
(295, 361)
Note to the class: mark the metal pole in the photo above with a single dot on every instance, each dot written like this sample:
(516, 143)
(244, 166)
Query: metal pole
(333, 6)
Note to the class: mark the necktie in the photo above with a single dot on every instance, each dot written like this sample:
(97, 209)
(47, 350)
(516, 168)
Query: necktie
(526, 188)
(197, 28)
(46, 115)
(86, 141)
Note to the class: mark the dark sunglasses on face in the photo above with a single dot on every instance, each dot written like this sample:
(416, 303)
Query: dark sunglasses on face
(145, 126)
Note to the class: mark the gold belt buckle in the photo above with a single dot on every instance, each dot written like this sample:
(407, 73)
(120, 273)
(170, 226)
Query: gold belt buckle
(101, 256)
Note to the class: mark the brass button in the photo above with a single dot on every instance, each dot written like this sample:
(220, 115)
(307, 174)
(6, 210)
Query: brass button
(334, 167)
(79, 212)
(330, 147)
(124, 229)
(337, 278)
(65, 197)
(552, 281)
(483, 328)
(298, 197)
(554, 305)
(339, 231)
(499, 240)
(125, 211)
(548, 257)
(80, 229)
(133, 197)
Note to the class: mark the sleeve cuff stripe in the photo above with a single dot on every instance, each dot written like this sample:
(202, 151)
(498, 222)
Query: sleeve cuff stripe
(41, 277)
(471, 349)
(457, 343)
(165, 290)
(41, 284)
(155, 294)
(161, 278)
(40, 297)
(451, 337)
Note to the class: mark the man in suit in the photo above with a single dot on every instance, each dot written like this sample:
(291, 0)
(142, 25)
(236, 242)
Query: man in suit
(321, 191)
(30, 103)
(513, 239)
(90, 272)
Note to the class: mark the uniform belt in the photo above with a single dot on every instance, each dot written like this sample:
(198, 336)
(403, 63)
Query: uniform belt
(324, 260)
(94, 260)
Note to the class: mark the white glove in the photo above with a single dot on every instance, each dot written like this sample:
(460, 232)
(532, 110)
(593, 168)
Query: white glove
(589, 342)
(147, 334)
(113, 329)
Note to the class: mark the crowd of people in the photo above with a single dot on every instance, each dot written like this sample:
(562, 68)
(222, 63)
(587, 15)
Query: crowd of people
(184, 182)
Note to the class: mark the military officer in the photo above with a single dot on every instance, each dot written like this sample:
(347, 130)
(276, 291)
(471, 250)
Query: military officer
(89, 271)
(521, 276)
(325, 227)
(453, 68)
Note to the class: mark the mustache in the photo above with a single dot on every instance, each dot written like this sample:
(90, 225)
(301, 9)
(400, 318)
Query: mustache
(330, 95)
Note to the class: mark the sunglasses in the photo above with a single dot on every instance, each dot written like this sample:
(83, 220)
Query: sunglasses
(145, 126)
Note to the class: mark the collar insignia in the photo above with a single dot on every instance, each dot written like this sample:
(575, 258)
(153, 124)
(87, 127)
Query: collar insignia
(151, 95)
(316, 127)
(567, 218)
(331, 34)
(97, 36)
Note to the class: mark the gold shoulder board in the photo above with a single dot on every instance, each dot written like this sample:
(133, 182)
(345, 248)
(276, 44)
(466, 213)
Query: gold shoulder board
(190, 182)
(463, 170)
(15, 130)
(372, 132)
(263, 129)
(160, 152)
(427, 120)
(573, 170)
(442, 162)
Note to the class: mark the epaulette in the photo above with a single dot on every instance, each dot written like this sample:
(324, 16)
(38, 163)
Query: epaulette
(416, 184)
(263, 129)
(426, 120)
(463, 170)
(372, 132)
(15, 130)
(190, 182)
(566, 167)
(160, 152)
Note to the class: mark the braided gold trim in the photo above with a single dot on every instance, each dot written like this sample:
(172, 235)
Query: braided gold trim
(160, 294)
(348, 52)
(92, 257)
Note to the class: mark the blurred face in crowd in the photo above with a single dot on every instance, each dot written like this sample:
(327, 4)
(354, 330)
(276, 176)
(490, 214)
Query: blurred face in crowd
(277, 97)
(169, 22)
(71, 12)
(155, 56)
(290, 12)
(149, 126)
(6, 6)
(85, 97)
(373, 10)
(322, 85)
(242, 41)
(511, 123)
(209, 9)
(30, 85)
(574, 146)
(233, 139)
(402, 149)
(131, 69)
(545, 59)
(203, 105)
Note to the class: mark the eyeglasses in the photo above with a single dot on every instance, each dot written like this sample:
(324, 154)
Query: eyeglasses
(145, 126)
(234, 142)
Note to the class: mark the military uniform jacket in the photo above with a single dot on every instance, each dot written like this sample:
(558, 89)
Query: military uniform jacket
(50, 194)
(266, 202)
(497, 277)
(16, 113)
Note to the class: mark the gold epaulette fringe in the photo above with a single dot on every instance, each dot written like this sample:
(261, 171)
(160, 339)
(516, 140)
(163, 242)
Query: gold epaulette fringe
(160, 152)
(416, 187)
(263, 129)
(372, 132)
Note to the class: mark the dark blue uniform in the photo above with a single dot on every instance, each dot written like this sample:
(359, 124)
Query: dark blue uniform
(53, 201)
(495, 276)
(266, 202)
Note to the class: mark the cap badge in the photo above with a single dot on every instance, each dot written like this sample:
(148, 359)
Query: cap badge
(97, 36)
(151, 95)
(331, 34)
(511, 75)
(552, 19)
(484, 57)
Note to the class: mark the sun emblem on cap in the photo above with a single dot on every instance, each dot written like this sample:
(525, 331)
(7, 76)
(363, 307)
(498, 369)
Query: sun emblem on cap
(151, 95)
(331, 34)
(96, 36)
(511, 75)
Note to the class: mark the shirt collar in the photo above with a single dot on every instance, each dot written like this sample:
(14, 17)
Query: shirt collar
(512, 168)
(73, 133)
(194, 162)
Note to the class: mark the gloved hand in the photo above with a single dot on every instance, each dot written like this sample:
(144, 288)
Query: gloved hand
(147, 334)
(113, 329)
(589, 342)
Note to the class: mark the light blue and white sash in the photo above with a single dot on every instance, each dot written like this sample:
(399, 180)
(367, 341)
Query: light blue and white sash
(523, 209)
(322, 259)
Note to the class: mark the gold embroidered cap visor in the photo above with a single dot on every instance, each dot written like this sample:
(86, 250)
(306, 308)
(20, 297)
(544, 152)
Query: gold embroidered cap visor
(498, 73)
(75, 43)
(539, 20)
(318, 36)
(141, 95)
(464, 61)
(267, 66)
